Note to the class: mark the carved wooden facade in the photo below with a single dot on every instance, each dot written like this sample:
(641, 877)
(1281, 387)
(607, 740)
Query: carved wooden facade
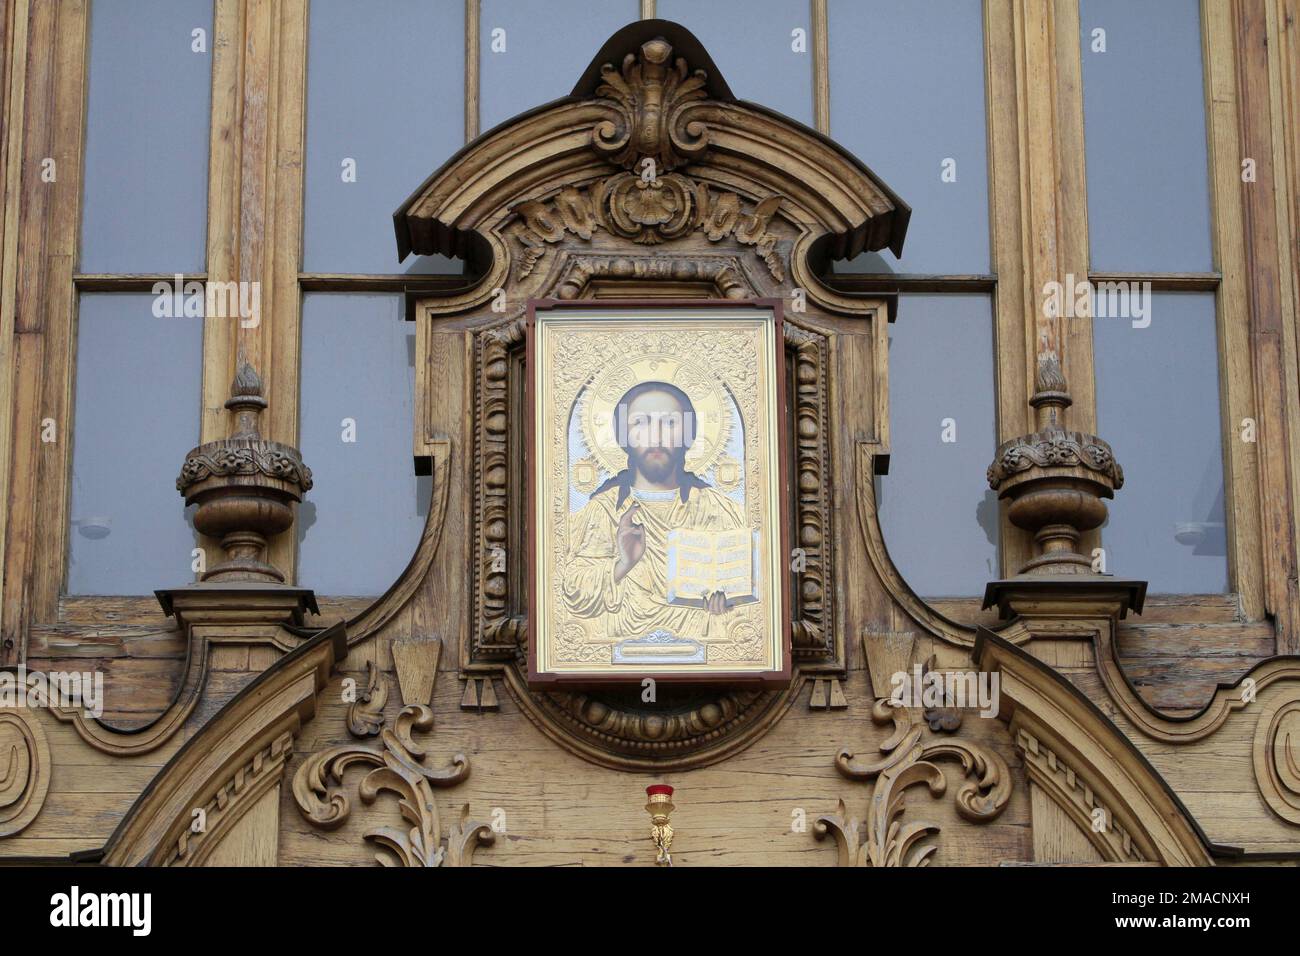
(403, 730)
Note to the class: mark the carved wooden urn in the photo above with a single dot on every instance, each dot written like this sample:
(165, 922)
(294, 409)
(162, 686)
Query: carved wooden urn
(245, 487)
(1055, 479)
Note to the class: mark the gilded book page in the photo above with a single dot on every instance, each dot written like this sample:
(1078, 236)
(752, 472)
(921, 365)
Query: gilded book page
(701, 563)
(656, 491)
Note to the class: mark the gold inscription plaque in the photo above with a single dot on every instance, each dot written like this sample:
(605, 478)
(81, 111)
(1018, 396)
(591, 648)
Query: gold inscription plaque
(656, 493)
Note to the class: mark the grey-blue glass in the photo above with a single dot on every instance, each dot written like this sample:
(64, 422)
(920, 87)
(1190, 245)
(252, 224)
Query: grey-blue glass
(360, 524)
(753, 44)
(136, 414)
(148, 111)
(907, 97)
(1158, 406)
(385, 90)
(531, 53)
(938, 516)
(1144, 129)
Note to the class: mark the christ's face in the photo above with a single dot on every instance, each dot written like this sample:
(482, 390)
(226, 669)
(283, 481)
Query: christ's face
(656, 436)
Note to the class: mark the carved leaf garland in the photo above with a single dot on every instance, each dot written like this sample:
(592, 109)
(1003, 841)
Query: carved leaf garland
(648, 211)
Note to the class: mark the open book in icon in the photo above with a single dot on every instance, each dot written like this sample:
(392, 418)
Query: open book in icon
(701, 563)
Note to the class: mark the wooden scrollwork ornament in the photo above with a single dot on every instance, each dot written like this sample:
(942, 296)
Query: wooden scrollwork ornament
(397, 766)
(24, 771)
(909, 759)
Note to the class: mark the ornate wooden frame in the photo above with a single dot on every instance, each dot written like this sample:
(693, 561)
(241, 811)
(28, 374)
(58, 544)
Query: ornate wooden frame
(541, 205)
(788, 508)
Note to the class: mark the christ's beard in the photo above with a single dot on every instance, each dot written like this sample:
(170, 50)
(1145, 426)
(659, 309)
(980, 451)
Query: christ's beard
(657, 465)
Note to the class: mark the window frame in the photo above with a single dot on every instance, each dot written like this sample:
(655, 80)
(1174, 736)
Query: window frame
(254, 231)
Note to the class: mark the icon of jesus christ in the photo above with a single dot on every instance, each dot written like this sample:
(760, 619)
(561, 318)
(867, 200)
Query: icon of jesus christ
(617, 565)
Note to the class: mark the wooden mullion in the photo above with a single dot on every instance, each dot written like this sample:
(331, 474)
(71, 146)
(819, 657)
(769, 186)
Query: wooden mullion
(1241, 466)
(1013, 299)
(821, 67)
(282, 323)
(472, 68)
(13, 73)
(1284, 39)
(1271, 311)
(1260, 518)
(51, 113)
(255, 214)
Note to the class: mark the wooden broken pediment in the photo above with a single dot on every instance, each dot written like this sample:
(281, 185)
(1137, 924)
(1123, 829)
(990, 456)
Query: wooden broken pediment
(650, 146)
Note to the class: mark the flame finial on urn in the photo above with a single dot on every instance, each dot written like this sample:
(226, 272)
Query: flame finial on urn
(244, 487)
(1056, 479)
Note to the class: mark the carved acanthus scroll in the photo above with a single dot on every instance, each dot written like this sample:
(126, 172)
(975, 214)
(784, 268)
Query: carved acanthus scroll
(650, 91)
(908, 760)
(397, 766)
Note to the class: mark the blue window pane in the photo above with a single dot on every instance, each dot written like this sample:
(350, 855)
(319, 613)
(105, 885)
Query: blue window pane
(1144, 128)
(374, 129)
(938, 517)
(360, 524)
(532, 53)
(148, 111)
(907, 98)
(137, 408)
(1166, 524)
(764, 68)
